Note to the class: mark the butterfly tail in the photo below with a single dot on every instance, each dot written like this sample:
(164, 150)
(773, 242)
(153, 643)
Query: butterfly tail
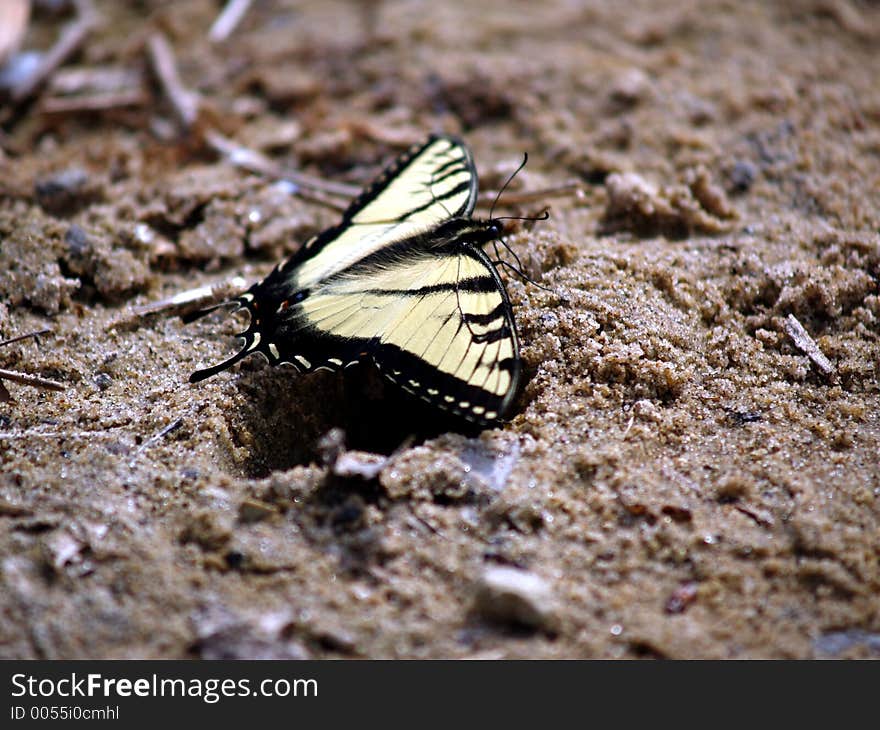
(200, 375)
(251, 341)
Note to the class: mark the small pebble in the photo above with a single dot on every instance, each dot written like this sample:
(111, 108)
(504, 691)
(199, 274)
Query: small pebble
(62, 548)
(64, 192)
(254, 510)
(682, 597)
(77, 240)
(514, 596)
(631, 87)
(19, 68)
(742, 176)
(331, 446)
(359, 464)
(102, 381)
(51, 291)
(647, 411)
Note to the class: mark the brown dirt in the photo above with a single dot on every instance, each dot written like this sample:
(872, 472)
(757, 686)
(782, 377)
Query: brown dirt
(685, 481)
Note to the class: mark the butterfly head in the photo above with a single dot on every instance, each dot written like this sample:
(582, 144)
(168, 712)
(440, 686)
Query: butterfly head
(494, 229)
(481, 232)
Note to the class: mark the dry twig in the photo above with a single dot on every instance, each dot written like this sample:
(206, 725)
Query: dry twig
(93, 89)
(92, 102)
(155, 438)
(197, 297)
(807, 345)
(253, 161)
(309, 187)
(72, 37)
(24, 378)
(184, 102)
(33, 380)
(25, 336)
(228, 20)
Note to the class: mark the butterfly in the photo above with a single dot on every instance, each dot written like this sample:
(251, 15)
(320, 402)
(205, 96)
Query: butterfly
(403, 282)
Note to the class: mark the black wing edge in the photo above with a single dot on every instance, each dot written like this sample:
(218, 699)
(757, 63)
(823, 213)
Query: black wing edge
(390, 358)
(375, 188)
(515, 366)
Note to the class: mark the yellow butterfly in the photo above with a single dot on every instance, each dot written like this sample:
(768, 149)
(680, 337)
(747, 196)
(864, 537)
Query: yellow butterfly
(403, 282)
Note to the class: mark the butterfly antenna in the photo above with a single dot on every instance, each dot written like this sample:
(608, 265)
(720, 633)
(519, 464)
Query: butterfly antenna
(519, 266)
(504, 187)
(544, 216)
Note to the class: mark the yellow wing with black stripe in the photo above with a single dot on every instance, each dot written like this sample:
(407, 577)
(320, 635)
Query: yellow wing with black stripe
(429, 184)
(403, 282)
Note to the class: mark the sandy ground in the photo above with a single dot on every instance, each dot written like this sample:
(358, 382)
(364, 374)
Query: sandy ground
(680, 478)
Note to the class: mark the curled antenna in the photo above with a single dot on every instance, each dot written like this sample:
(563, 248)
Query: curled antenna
(544, 216)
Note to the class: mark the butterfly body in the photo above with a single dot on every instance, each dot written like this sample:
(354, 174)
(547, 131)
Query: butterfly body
(402, 282)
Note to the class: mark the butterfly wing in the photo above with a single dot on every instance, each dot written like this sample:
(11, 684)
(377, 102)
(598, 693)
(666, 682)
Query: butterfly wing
(437, 323)
(427, 185)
